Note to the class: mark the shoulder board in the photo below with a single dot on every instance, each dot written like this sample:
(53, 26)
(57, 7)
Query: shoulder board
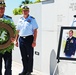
(8, 16)
(32, 17)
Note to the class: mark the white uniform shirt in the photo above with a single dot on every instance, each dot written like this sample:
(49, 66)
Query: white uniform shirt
(26, 26)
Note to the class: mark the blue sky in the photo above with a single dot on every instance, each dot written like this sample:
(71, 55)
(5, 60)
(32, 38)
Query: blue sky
(11, 4)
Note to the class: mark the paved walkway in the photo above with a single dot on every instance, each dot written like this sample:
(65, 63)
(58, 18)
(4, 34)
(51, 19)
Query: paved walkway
(17, 68)
(64, 67)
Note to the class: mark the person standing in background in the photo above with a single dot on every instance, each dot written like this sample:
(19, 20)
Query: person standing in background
(27, 34)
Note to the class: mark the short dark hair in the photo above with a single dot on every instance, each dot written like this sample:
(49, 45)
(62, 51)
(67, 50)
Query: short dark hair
(71, 31)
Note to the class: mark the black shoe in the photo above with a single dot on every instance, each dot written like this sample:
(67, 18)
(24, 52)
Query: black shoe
(28, 73)
(22, 73)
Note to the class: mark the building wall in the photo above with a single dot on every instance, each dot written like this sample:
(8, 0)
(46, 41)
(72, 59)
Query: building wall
(54, 15)
(49, 37)
(16, 52)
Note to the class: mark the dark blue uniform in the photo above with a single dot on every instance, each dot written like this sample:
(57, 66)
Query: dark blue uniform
(27, 53)
(7, 56)
(70, 46)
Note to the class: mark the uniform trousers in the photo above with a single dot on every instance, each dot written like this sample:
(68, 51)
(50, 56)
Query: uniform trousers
(26, 50)
(8, 63)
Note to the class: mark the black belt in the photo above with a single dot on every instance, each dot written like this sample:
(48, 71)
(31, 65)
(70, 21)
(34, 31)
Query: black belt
(25, 36)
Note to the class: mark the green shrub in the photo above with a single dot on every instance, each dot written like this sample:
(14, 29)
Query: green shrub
(17, 11)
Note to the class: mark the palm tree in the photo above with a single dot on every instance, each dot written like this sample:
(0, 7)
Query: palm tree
(20, 6)
(27, 1)
(23, 2)
(37, 1)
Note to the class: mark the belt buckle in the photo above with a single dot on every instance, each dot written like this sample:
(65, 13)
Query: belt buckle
(24, 37)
